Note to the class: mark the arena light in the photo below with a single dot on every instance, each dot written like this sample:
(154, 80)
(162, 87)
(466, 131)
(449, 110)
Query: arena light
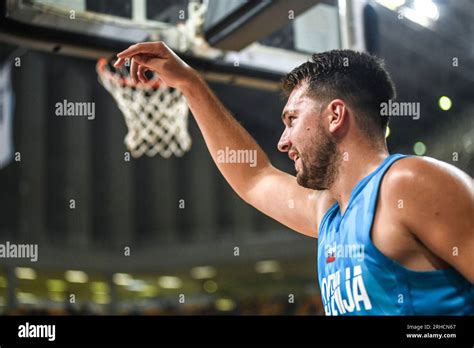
(423, 12)
(426, 7)
(169, 282)
(419, 148)
(79, 277)
(99, 287)
(445, 103)
(56, 285)
(267, 266)
(122, 279)
(137, 285)
(203, 272)
(210, 286)
(225, 304)
(416, 17)
(3, 282)
(26, 298)
(391, 4)
(25, 273)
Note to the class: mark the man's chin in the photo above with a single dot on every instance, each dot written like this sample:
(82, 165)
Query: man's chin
(302, 180)
(305, 182)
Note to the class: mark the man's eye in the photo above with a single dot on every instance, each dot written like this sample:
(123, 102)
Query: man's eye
(290, 119)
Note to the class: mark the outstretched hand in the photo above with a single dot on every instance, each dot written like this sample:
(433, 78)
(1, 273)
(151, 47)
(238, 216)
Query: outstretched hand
(160, 59)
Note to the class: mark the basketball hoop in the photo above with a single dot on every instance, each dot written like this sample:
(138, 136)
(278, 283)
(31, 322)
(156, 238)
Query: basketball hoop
(155, 114)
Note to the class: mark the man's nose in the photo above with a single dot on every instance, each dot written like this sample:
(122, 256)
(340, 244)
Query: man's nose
(284, 144)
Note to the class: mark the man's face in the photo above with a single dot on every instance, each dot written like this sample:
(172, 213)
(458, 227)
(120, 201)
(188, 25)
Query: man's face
(308, 142)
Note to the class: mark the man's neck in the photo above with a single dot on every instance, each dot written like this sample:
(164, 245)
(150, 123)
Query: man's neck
(355, 166)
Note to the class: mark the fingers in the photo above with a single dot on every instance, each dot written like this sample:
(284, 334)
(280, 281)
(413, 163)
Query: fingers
(141, 74)
(150, 63)
(141, 59)
(134, 70)
(144, 56)
(155, 48)
(119, 62)
(137, 71)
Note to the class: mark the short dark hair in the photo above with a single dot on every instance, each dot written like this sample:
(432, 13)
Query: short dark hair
(358, 78)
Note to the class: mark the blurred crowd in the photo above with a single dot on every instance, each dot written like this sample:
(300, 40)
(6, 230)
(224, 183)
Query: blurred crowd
(277, 305)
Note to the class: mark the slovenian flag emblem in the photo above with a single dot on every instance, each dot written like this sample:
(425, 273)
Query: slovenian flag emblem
(330, 253)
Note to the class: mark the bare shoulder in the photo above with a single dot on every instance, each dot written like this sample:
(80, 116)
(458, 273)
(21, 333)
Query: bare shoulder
(433, 202)
(414, 174)
(429, 192)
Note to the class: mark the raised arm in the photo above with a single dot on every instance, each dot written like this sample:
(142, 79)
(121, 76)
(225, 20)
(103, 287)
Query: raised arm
(268, 189)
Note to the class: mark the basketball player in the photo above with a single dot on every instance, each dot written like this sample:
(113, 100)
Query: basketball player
(411, 217)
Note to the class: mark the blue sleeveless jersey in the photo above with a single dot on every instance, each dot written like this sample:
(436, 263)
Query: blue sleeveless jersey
(355, 278)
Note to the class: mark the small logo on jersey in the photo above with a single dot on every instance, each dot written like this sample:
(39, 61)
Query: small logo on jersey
(330, 253)
(333, 250)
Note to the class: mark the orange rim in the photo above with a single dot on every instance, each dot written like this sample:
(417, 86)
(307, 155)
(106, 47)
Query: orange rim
(123, 80)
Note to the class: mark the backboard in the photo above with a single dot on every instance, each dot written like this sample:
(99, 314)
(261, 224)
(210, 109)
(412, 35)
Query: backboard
(270, 36)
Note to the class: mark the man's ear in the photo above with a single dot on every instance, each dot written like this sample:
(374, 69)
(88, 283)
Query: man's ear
(337, 115)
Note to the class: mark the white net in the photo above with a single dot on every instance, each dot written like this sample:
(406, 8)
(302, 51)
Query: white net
(156, 117)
